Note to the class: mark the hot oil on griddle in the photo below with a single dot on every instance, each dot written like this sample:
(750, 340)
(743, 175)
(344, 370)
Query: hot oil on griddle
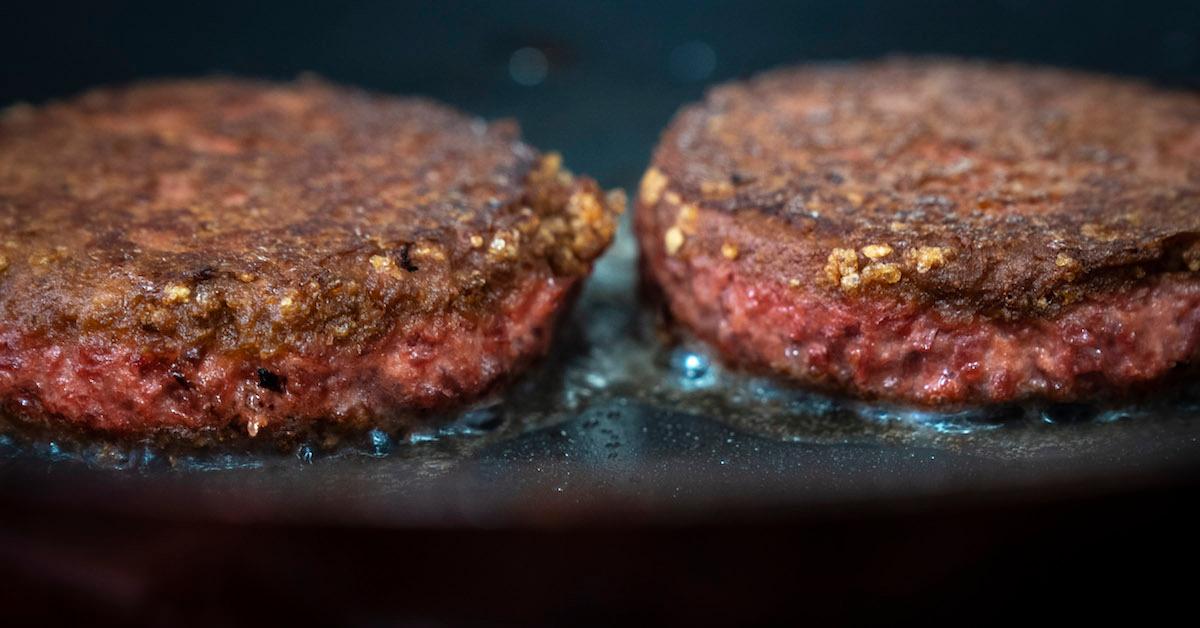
(621, 359)
(611, 362)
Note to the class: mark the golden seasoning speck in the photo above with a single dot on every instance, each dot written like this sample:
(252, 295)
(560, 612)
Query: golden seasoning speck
(877, 251)
(585, 206)
(429, 252)
(686, 218)
(3, 263)
(729, 251)
(289, 305)
(881, 273)
(246, 277)
(177, 293)
(716, 189)
(653, 184)
(1064, 261)
(505, 245)
(842, 268)
(927, 258)
(673, 240)
(476, 241)
(380, 262)
(794, 282)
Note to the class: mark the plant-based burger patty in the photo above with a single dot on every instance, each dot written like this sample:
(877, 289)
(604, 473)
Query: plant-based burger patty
(192, 257)
(933, 231)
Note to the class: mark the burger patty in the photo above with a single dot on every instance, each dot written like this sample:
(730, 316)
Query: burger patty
(933, 231)
(192, 257)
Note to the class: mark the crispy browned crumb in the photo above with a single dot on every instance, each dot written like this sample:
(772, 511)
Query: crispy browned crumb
(673, 239)
(842, 269)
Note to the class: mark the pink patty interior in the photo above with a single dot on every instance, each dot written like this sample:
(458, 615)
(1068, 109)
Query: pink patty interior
(892, 349)
(432, 363)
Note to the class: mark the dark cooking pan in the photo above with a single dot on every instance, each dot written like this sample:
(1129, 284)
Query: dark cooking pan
(629, 475)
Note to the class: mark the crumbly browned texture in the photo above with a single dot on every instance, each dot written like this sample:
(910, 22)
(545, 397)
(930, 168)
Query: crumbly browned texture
(1002, 189)
(260, 218)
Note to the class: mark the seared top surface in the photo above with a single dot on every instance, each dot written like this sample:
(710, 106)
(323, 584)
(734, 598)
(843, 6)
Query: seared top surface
(254, 215)
(1007, 188)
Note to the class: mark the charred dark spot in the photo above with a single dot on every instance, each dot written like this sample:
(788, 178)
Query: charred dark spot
(405, 261)
(741, 178)
(834, 178)
(270, 381)
(179, 378)
(204, 274)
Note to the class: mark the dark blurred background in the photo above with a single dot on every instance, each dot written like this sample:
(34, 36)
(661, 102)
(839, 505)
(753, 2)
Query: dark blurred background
(596, 80)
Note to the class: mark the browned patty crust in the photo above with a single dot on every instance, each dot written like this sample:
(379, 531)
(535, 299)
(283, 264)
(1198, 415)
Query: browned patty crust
(940, 196)
(239, 253)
